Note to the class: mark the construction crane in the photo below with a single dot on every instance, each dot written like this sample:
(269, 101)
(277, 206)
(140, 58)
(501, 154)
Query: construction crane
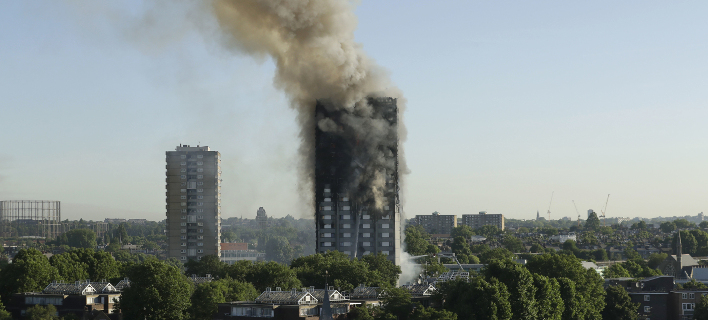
(549, 207)
(576, 211)
(605, 210)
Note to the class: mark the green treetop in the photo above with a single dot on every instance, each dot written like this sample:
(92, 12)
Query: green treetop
(618, 305)
(157, 292)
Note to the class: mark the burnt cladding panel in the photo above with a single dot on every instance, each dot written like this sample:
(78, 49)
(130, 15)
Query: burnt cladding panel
(388, 109)
(334, 153)
(333, 156)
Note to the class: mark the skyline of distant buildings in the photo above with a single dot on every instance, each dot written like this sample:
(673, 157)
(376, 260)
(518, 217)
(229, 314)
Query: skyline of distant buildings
(437, 223)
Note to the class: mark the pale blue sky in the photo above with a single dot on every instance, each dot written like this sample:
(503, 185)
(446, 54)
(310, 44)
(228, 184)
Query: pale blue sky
(507, 102)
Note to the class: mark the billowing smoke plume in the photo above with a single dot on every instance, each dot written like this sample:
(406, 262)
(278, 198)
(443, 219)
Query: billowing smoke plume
(312, 44)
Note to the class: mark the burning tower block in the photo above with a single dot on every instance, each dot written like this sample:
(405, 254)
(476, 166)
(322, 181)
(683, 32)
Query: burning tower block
(356, 180)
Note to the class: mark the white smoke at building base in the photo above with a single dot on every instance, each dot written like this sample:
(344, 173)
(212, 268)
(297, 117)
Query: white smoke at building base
(410, 270)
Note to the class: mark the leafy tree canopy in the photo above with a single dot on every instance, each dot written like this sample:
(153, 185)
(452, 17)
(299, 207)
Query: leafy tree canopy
(592, 223)
(519, 281)
(422, 313)
(206, 296)
(588, 297)
(513, 244)
(209, 264)
(382, 272)
(462, 231)
(684, 224)
(537, 248)
(69, 266)
(693, 284)
(689, 244)
(416, 241)
(41, 313)
(641, 225)
(477, 299)
(264, 274)
(667, 226)
(618, 305)
(79, 238)
(548, 297)
(459, 246)
(616, 271)
(397, 302)
(655, 259)
(701, 312)
(29, 271)
(278, 249)
(345, 273)
(362, 313)
(495, 254)
(4, 314)
(701, 242)
(157, 292)
(488, 230)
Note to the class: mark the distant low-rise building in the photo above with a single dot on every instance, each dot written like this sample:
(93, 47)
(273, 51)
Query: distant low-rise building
(475, 221)
(620, 220)
(237, 251)
(682, 303)
(76, 298)
(114, 220)
(199, 280)
(289, 304)
(436, 223)
(562, 238)
(653, 295)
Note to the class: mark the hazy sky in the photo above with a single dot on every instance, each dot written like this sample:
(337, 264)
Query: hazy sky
(507, 103)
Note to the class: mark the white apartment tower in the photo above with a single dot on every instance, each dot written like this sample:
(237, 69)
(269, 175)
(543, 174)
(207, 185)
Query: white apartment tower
(193, 202)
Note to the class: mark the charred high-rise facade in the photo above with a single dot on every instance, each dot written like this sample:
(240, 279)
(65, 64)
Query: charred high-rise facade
(356, 180)
(193, 202)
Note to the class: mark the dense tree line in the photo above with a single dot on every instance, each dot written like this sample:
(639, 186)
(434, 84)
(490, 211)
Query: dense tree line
(548, 287)
(162, 289)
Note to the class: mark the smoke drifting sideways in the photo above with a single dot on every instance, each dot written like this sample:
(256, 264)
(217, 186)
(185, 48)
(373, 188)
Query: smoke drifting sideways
(312, 44)
(316, 57)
